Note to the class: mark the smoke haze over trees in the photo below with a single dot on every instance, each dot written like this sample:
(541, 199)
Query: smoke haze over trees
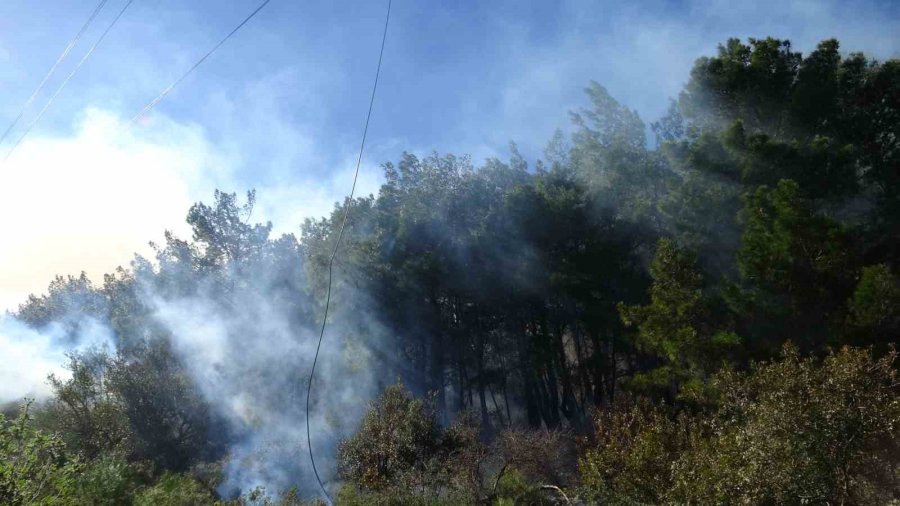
(707, 315)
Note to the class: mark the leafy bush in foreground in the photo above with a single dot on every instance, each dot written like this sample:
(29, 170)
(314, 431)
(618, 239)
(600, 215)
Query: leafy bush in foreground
(792, 431)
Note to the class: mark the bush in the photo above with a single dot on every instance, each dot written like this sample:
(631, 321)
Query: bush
(34, 466)
(397, 433)
(109, 480)
(539, 456)
(794, 431)
(634, 451)
(513, 488)
(84, 411)
(797, 431)
(401, 456)
(175, 490)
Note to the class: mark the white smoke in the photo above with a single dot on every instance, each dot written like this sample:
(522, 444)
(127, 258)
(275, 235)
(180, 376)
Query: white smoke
(29, 355)
(250, 358)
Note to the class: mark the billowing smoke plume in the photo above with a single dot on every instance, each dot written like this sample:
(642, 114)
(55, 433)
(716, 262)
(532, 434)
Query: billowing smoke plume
(250, 357)
(218, 335)
(30, 354)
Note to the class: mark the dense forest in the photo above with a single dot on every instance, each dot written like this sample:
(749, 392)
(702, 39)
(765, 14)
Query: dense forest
(702, 310)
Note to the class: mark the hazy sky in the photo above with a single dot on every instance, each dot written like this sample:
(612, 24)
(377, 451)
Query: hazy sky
(280, 107)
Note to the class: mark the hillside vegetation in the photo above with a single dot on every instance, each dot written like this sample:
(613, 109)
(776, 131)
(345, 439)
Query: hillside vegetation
(707, 316)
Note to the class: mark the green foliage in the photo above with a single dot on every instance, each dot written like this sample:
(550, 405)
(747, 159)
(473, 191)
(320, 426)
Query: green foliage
(259, 496)
(635, 448)
(523, 299)
(167, 416)
(610, 157)
(758, 113)
(352, 496)
(34, 466)
(142, 405)
(784, 241)
(396, 434)
(793, 431)
(85, 411)
(748, 82)
(822, 166)
(174, 490)
(68, 300)
(108, 480)
(613, 124)
(795, 265)
(388, 462)
(796, 432)
(538, 456)
(679, 324)
(875, 304)
(513, 488)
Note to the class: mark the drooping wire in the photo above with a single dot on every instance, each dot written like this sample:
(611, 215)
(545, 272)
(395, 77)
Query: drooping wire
(67, 79)
(337, 244)
(50, 72)
(153, 103)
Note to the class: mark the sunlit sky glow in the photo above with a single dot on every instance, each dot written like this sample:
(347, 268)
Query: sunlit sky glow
(280, 107)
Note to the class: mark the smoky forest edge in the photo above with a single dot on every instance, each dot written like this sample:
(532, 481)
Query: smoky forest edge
(702, 311)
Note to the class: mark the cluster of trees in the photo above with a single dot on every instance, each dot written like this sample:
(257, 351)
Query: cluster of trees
(607, 326)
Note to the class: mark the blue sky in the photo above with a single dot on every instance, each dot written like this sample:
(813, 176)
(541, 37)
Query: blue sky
(280, 106)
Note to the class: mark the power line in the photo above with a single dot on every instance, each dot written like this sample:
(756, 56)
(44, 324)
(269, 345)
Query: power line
(337, 244)
(153, 103)
(68, 78)
(59, 60)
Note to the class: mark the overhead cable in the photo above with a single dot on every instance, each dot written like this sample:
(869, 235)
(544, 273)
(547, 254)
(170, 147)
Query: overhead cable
(153, 103)
(50, 72)
(68, 78)
(337, 244)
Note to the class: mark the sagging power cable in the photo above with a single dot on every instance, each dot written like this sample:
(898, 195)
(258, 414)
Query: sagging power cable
(337, 244)
(68, 78)
(62, 56)
(153, 103)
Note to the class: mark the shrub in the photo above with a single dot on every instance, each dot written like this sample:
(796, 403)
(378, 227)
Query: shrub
(397, 433)
(34, 466)
(798, 431)
(175, 490)
(793, 431)
(400, 455)
(634, 451)
(108, 480)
